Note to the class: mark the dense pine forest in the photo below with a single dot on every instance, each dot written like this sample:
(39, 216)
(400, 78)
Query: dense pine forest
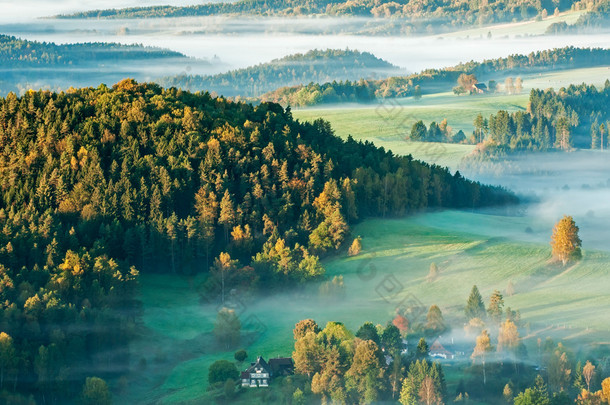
(572, 117)
(317, 66)
(97, 182)
(432, 79)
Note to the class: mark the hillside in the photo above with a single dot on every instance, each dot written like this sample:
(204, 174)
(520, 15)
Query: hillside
(168, 181)
(438, 80)
(315, 66)
(32, 64)
(404, 16)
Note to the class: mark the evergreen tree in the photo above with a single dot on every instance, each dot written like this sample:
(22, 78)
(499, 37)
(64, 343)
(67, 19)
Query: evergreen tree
(474, 306)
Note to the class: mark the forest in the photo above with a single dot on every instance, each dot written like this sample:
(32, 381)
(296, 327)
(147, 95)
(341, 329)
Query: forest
(597, 18)
(20, 53)
(98, 182)
(364, 91)
(400, 362)
(32, 64)
(317, 66)
(572, 117)
(415, 16)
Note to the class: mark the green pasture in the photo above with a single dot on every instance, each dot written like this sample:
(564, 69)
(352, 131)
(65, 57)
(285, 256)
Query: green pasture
(469, 248)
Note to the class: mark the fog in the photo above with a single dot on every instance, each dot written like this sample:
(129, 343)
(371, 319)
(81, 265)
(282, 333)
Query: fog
(242, 42)
(552, 185)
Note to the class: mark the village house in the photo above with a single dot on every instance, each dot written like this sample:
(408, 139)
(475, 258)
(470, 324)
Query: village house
(479, 88)
(260, 373)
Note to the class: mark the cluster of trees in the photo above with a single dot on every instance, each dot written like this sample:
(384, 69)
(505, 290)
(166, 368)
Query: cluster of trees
(576, 116)
(70, 64)
(447, 15)
(416, 84)
(316, 66)
(20, 53)
(466, 84)
(598, 17)
(436, 133)
(364, 367)
(361, 91)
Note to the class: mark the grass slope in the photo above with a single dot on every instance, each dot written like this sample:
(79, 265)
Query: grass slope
(469, 248)
(389, 122)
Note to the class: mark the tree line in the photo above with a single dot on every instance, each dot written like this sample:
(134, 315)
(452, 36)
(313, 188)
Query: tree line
(317, 66)
(415, 85)
(447, 15)
(573, 117)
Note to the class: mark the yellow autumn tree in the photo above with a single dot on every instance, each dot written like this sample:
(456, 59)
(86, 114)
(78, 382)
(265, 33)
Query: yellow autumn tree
(565, 241)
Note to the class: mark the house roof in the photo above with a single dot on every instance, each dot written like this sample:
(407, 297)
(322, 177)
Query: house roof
(281, 361)
(481, 86)
(437, 347)
(260, 363)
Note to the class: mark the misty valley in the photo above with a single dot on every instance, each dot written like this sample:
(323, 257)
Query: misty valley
(305, 202)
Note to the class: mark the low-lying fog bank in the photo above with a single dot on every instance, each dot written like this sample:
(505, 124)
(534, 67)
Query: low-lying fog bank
(557, 184)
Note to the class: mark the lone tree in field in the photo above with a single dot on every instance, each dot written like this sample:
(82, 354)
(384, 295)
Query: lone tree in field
(565, 241)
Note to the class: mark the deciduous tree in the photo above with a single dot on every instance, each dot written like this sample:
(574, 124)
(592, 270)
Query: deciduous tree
(565, 241)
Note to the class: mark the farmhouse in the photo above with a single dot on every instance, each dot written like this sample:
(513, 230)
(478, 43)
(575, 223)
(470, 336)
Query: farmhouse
(479, 88)
(260, 373)
(439, 350)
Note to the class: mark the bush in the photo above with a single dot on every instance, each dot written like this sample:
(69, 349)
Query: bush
(221, 371)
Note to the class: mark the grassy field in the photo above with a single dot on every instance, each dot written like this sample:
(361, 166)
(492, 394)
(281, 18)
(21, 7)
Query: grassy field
(525, 28)
(469, 248)
(388, 122)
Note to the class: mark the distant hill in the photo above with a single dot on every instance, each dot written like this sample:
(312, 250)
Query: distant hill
(316, 66)
(433, 80)
(31, 64)
(403, 16)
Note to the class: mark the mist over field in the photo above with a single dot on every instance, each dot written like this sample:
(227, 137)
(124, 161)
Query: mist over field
(553, 185)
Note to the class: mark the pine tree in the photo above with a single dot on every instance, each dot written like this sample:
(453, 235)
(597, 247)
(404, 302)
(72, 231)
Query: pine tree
(474, 306)
(227, 213)
(565, 241)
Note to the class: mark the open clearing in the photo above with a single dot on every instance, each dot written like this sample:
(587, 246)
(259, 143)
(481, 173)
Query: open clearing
(469, 248)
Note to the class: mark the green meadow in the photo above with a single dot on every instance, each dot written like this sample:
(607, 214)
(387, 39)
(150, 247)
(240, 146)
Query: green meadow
(469, 248)
(388, 122)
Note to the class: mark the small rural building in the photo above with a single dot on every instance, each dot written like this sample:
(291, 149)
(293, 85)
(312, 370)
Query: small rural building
(479, 88)
(440, 351)
(260, 372)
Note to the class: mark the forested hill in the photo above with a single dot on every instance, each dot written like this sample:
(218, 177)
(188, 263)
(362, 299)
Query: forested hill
(432, 80)
(98, 180)
(317, 66)
(33, 65)
(164, 178)
(411, 16)
(368, 8)
(18, 53)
